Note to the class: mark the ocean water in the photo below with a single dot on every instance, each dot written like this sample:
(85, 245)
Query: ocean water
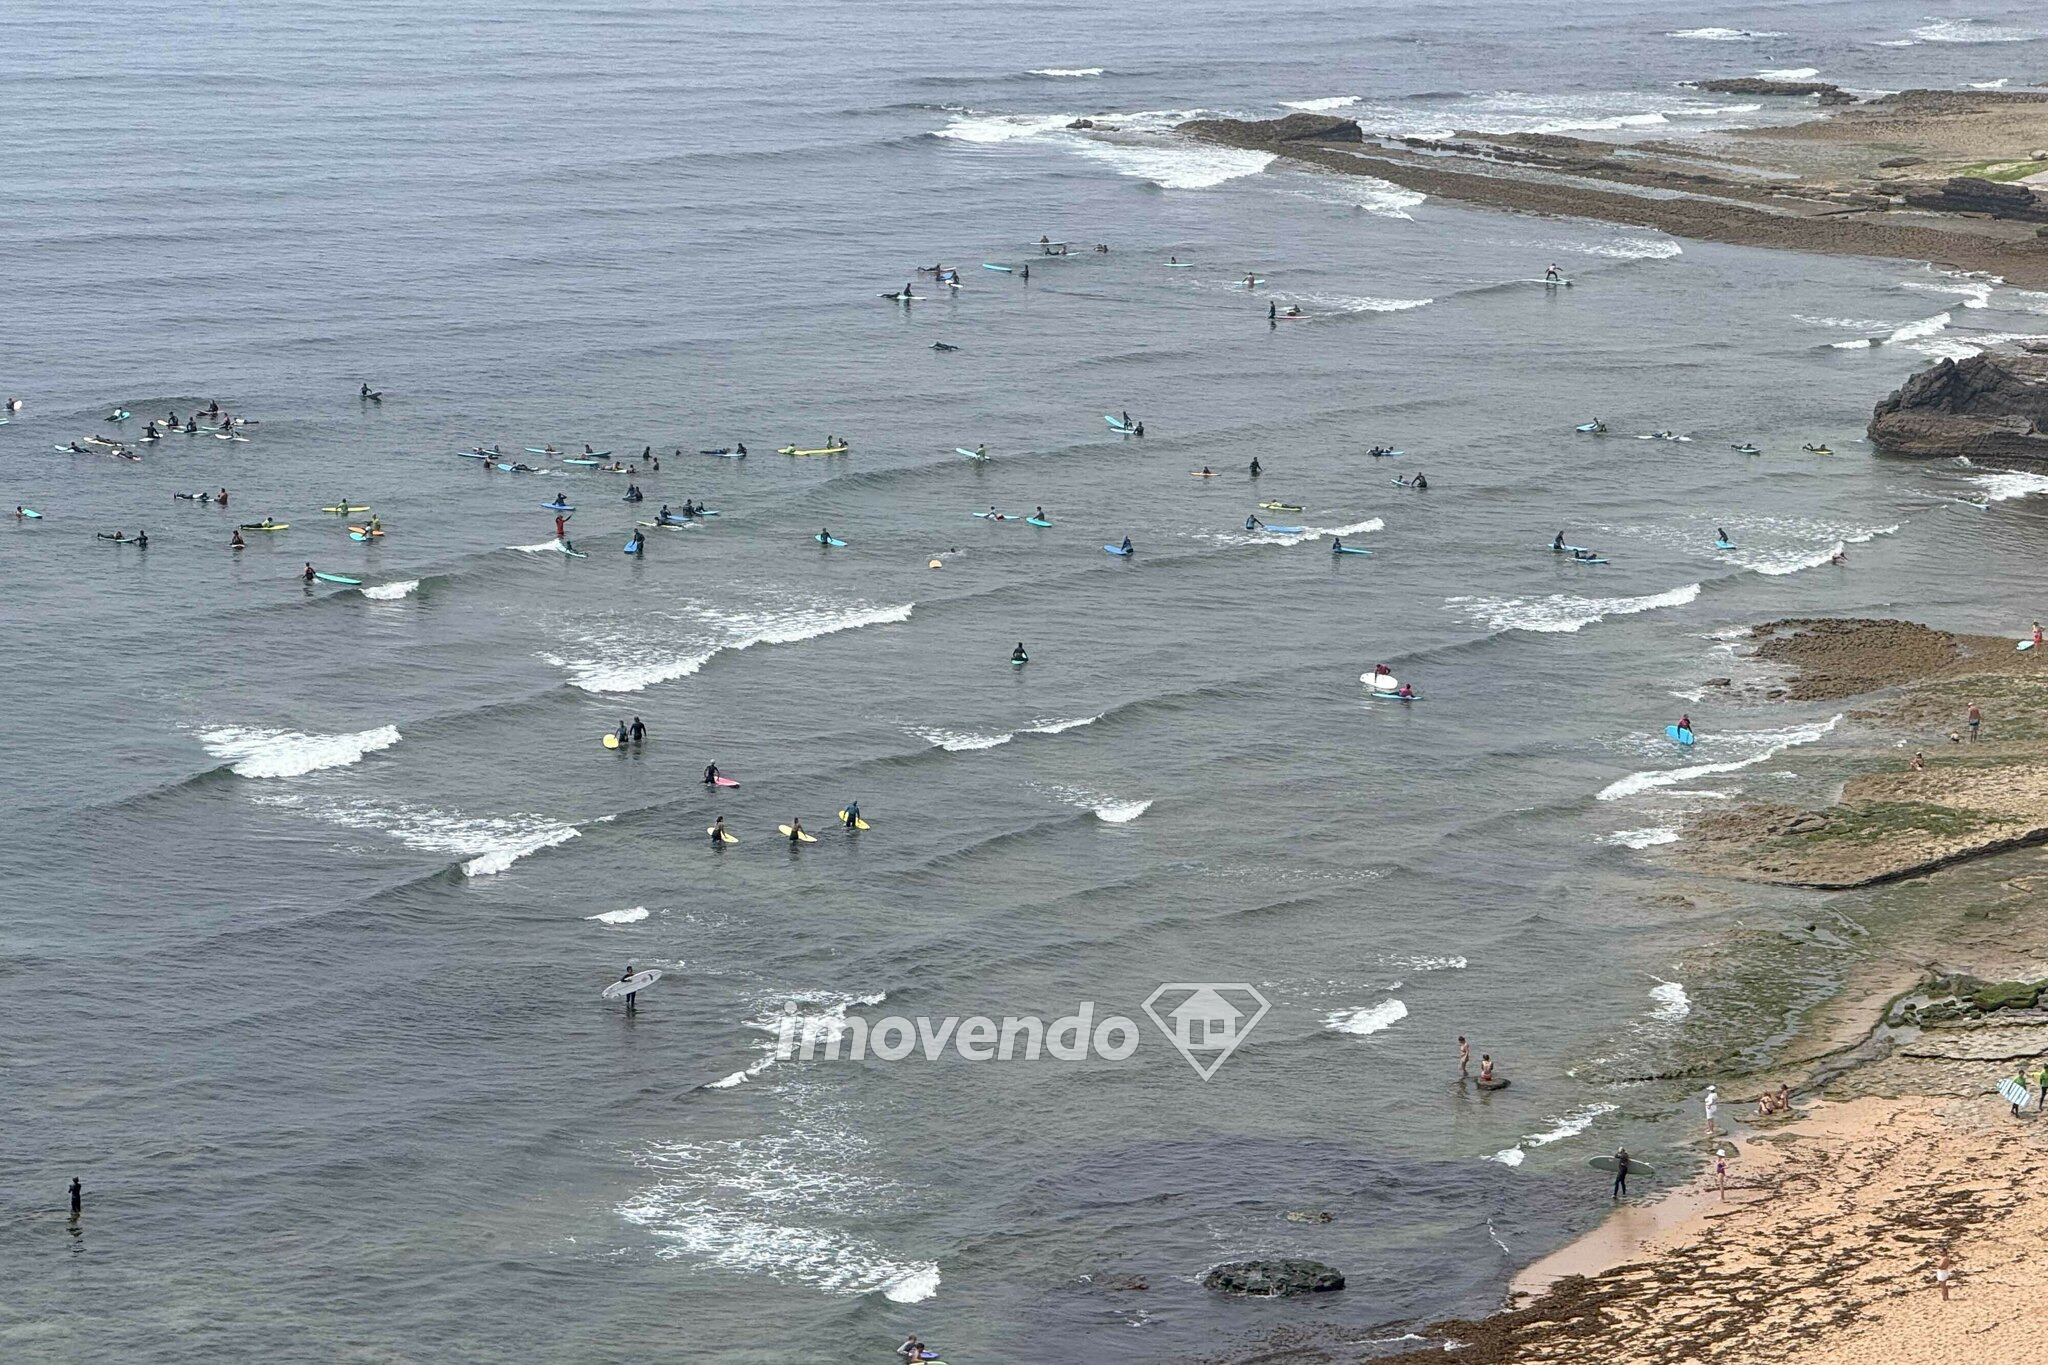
(314, 891)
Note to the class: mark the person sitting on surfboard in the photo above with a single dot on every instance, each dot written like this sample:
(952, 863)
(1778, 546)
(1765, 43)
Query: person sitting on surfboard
(236, 542)
(1039, 513)
(1018, 656)
(1405, 690)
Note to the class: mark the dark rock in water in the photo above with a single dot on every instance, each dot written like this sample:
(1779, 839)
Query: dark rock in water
(1293, 128)
(1307, 1216)
(1899, 161)
(1970, 194)
(1081, 123)
(1757, 85)
(1277, 1279)
(1992, 405)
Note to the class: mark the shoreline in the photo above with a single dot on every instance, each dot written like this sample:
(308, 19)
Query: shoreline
(1877, 179)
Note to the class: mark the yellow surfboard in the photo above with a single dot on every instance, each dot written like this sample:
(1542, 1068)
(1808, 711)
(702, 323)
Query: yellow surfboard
(611, 741)
(858, 823)
(801, 837)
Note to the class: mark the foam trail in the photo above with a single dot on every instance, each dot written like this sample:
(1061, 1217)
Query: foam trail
(500, 859)
(391, 592)
(958, 742)
(1070, 73)
(1562, 613)
(257, 752)
(1568, 1126)
(1774, 743)
(1367, 1019)
(1120, 812)
(632, 916)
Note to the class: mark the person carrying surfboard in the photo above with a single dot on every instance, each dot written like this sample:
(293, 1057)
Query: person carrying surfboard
(631, 1007)
(1621, 1173)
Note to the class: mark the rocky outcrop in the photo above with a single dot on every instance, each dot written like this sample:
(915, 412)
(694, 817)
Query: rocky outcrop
(1757, 85)
(1968, 194)
(1277, 1279)
(1293, 128)
(1993, 405)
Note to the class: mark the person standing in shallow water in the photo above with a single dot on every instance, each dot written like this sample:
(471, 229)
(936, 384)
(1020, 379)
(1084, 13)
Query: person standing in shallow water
(631, 996)
(77, 1196)
(1464, 1057)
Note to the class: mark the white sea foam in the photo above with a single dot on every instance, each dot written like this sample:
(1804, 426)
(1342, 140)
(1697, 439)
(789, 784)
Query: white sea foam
(1723, 35)
(1367, 1019)
(488, 843)
(994, 128)
(391, 592)
(1178, 166)
(1972, 31)
(631, 916)
(1058, 727)
(1563, 613)
(958, 741)
(1998, 84)
(1569, 1125)
(1321, 106)
(1354, 303)
(1120, 812)
(1777, 561)
(1766, 745)
(1642, 838)
(630, 658)
(1975, 293)
(1303, 536)
(1069, 72)
(1635, 249)
(1789, 73)
(1912, 331)
(544, 546)
(1961, 348)
(258, 752)
(1672, 1002)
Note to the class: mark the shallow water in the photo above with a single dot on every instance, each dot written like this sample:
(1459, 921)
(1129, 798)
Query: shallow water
(315, 890)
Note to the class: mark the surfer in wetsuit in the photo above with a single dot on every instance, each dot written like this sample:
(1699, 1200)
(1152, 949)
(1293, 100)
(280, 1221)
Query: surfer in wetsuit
(1421, 482)
(631, 1007)
(142, 540)
(1018, 656)
(718, 832)
(1255, 466)
(308, 574)
(621, 734)
(639, 730)
(236, 542)
(851, 815)
(1621, 1164)
(1039, 513)
(1253, 524)
(1720, 533)
(1127, 545)
(1558, 544)
(796, 829)
(1272, 312)
(710, 774)
(1551, 275)
(1336, 545)
(638, 541)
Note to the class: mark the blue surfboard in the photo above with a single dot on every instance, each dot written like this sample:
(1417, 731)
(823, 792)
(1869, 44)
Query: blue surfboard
(1680, 736)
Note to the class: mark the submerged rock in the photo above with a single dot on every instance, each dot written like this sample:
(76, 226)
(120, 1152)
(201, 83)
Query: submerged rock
(1293, 128)
(1282, 1278)
(1993, 405)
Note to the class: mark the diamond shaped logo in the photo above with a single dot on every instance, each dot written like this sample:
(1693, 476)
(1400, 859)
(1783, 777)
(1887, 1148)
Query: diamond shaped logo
(1206, 1020)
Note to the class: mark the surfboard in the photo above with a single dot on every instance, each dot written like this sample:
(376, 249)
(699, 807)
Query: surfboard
(989, 265)
(631, 547)
(357, 535)
(1287, 530)
(1180, 265)
(558, 507)
(724, 835)
(1254, 280)
(542, 450)
(801, 837)
(829, 540)
(1724, 544)
(340, 578)
(1380, 682)
(573, 554)
(723, 781)
(638, 981)
(1576, 559)
(1117, 423)
(1347, 549)
(1020, 662)
(1590, 428)
(1038, 521)
(1203, 473)
(1281, 507)
(1117, 550)
(858, 822)
(30, 514)
(970, 454)
(582, 462)
(2013, 1091)
(2022, 645)
(1678, 736)
(264, 525)
(1385, 454)
(611, 740)
(1607, 1163)
(344, 510)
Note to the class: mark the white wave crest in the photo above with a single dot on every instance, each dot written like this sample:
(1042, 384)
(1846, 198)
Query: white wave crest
(1562, 613)
(630, 916)
(1570, 1125)
(1642, 838)
(1723, 35)
(1367, 1019)
(1067, 72)
(1972, 31)
(1321, 106)
(1912, 331)
(1789, 73)
(1187, 166)
(1059, 727)
(499, 859)
(1672, 1002)
(958, 742)
(988, 129)
(1975, 293)
(489, 843)
(1636, 249)
(1120, 812)
(391, 592)
(2007, 486)
(1768, 745)
(543, 547)
(1998, 84)
(257, 752)
(631, 661)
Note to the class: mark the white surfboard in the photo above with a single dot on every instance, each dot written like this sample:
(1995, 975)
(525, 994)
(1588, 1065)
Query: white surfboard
(638, 981)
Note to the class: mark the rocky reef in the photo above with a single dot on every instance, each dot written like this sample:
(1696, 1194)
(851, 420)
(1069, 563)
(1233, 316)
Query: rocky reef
(1990, 406)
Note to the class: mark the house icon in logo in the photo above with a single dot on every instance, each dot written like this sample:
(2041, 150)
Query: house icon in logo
(1208, 1021)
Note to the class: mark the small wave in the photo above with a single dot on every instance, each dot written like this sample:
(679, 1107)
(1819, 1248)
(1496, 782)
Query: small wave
(1912, 331)
(499, 859)
(1065, 72)
(1561, 613)
(989, 129)
(1642, 838)
(631, 666)
(1178, 167)
(632, 916)
(958, 742)
(1672, 1003)
(1998, 84)
(1321, 106)
(1724, 35)
(1303, 536)
(1367, 1019)
(1569, 1125)
(544, 546)
(1060, 727)
(1120, 812)
(1976, 293)
(1972, 31)
(631, 662)
(256, 752)
(1778, 563)
(1772, 743)
(1612, 124)
(489, 844)
(391, 592)
(1356, 303)
(1636, 249)
(1426, 962)
(1789, 73)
